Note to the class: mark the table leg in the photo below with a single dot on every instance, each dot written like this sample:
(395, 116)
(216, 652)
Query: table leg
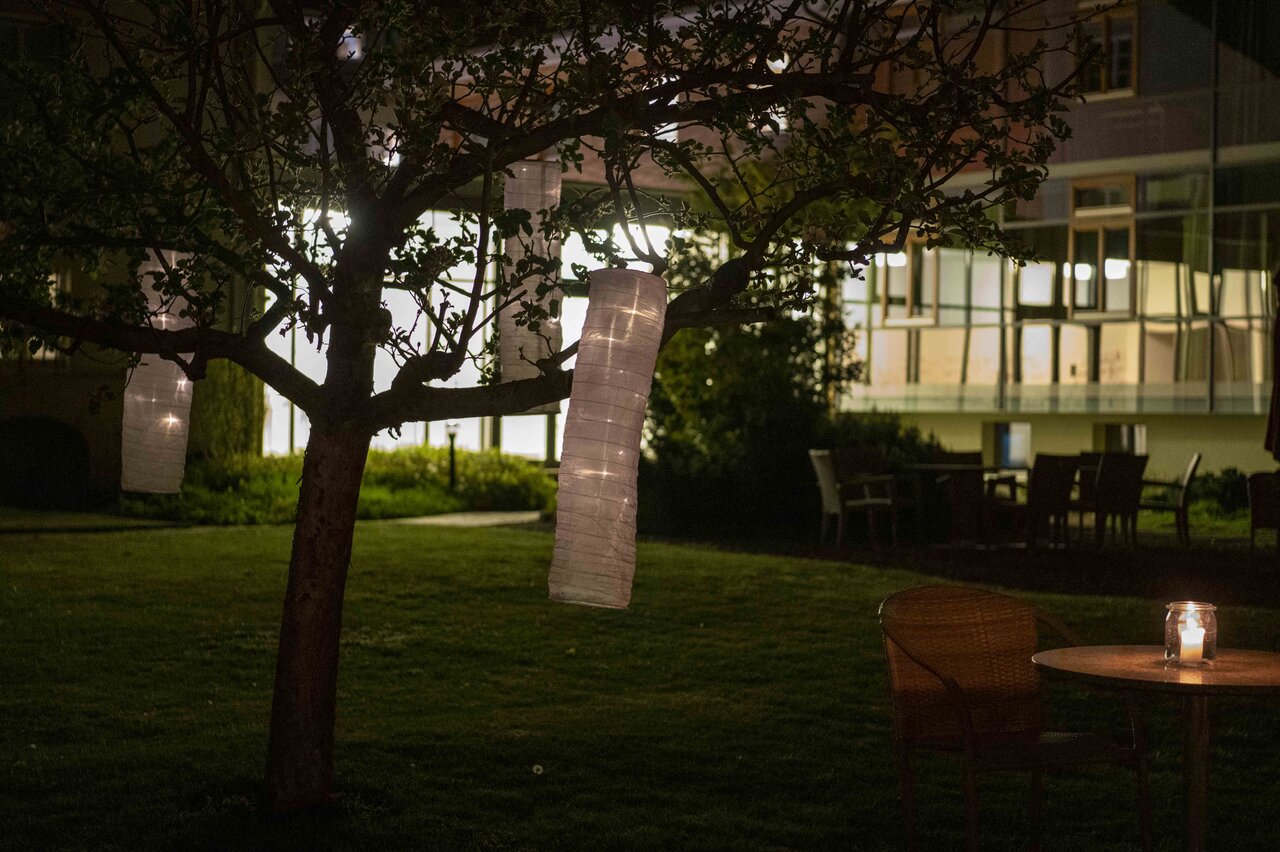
(1195, 769)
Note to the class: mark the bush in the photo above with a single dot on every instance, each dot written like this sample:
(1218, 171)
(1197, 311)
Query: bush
(1223, 493)
(398, 483)
(732, 417)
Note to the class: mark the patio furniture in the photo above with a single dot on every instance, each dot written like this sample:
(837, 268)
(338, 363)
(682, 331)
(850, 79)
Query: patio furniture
(1264, 505)
(1119, 491)
(829, 491)
(963, 683)
(962, 475)
(1113, 495)
(1048, 498)
(1086, 488)
(1140, 670)
(949, 490)
(851, 493)
(866, 485)
(1174, 499)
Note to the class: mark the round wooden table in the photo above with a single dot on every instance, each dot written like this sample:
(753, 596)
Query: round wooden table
(1142, 668)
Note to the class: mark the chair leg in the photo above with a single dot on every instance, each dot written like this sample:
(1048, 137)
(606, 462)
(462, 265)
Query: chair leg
(1037, 793)
(822, 531)
(970, 809)
(840, 530)
(1144, 803)
(907, 795)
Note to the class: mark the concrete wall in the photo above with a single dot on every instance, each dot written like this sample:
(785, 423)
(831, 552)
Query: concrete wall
(1225, 440)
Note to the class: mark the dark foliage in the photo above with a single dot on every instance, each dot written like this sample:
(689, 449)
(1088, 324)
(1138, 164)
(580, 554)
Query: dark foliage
(732, 417)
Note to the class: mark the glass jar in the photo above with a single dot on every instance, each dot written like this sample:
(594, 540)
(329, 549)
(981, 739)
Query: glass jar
(1190, 632)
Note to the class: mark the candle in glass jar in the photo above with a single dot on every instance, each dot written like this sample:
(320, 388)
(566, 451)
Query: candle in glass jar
(1192, 645)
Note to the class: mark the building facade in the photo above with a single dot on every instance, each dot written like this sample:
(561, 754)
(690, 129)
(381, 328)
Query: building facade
(1146, 324)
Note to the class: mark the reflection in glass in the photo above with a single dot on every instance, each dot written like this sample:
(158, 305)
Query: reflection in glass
(1037, 354)
(1084, 270)
(1073, 355)
(1115, 269)
(953, 273)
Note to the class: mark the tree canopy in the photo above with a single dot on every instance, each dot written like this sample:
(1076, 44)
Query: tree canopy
(297, 147)
(281, 159)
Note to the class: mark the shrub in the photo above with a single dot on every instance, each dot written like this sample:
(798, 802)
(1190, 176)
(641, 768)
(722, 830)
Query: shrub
(399, 483)
(732, 417)
(1223, 493)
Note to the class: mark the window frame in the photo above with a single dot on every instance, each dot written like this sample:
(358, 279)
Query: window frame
(927, 288)
(1106, 18)
(1099, 220)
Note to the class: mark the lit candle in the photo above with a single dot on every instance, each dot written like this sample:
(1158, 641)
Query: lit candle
(1192, 647)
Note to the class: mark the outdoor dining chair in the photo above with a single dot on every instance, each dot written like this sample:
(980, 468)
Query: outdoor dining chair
(1173, 498)
(1118, 493)
(1048, 498)
(866, 485)
(962, 683)
(1264, 505)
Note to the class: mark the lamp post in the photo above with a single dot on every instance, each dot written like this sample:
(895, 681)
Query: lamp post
(451, 429)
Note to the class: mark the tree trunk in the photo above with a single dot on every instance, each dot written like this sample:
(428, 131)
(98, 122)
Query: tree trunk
(300, 750)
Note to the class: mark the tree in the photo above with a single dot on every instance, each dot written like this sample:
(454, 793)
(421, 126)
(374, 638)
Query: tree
(293, 149)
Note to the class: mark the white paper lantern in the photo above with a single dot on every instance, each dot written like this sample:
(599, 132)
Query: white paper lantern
(157, 406)
(595, 550)
(534, 186)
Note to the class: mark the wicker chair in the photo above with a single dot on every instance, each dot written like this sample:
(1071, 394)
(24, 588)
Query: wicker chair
(967, 516)
(1119, 493)
(963, 682)
(866, 485)
(1048, 498)
(1174, 499)
(1264, 505)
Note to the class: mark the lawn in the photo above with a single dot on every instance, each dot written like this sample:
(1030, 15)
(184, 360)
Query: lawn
(740, 704)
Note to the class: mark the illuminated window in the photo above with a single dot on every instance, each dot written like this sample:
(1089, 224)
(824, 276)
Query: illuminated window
(908, 282)
(1100, 269)
(1116, 69)
(1012, 444)
(1121, 438)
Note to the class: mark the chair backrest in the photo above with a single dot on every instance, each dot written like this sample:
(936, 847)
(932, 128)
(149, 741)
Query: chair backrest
(1184, 485)
(1120, 482)
(1049, 483)
(1264, 500)
(1089, 463)
(969, 458)
(965, 489)
(826, 472)
(852, 462)
(982, 640)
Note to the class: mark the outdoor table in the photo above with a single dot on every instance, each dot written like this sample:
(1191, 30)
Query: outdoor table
(1142, 668)
(918, 473)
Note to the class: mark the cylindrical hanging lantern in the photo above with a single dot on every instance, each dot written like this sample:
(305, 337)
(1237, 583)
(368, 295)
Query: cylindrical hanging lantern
(157, 404)
(533, 186)
(595, 550)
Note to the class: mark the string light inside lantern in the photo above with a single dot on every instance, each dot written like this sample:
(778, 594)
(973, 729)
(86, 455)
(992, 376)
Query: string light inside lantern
(595, 549)
(534, 185)
(157, 403)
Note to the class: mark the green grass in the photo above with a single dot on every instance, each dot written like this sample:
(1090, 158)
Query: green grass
(739, 704)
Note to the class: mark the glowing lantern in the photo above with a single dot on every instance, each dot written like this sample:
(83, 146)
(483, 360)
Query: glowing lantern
(157, 405)
(533, 186)
(595, 550)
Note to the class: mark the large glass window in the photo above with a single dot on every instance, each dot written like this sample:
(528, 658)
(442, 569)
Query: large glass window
(1013, 444)
(909, 284)
(1116, 69)
(1101, 268)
